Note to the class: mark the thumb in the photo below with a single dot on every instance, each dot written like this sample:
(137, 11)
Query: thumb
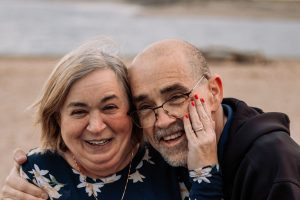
(19, 157)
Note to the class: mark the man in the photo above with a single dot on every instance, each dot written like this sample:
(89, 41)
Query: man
(258, 159)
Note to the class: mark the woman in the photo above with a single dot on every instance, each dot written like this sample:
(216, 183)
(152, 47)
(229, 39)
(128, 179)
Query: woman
(90, 148)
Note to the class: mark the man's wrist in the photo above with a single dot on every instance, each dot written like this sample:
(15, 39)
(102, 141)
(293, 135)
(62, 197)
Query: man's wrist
(204, 172)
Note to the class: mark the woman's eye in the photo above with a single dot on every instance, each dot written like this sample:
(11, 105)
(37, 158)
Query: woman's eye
(78, 113)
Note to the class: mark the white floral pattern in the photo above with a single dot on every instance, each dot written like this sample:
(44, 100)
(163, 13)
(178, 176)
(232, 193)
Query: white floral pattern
(43, 179)
(51, 186)
(111, 179)
(136, 177)
(147, 158)
(94, 188)
(202, 174)
(90, 188)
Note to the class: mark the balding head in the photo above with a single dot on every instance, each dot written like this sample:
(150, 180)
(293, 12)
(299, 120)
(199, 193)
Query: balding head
(173, 49)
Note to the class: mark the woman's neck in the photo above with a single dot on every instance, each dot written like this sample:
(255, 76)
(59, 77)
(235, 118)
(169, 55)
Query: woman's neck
(120, 165)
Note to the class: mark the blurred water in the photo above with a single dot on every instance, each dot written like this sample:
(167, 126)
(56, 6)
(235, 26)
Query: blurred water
(45, 27)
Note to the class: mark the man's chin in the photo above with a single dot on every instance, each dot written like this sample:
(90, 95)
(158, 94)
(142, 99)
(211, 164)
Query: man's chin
(176, 160)
(175, 155)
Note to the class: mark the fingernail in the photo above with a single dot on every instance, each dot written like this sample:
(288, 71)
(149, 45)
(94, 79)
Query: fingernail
(193, 103)
(186, 116)
(202, 100)
(196, 96)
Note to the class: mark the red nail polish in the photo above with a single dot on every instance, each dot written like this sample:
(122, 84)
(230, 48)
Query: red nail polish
(202, 100)
(186, 116)
(193, 103)
(196, 96)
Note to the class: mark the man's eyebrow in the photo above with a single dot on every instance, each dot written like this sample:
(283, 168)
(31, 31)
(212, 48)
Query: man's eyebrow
(173, 88)
(169, 89)
(140, 98)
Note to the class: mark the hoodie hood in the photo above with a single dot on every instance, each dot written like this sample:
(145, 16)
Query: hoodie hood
(248, 125)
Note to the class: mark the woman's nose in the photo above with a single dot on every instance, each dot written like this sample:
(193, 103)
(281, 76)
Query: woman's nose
(96, 123)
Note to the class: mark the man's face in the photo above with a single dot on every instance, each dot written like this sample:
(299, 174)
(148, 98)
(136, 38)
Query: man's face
(154, 81)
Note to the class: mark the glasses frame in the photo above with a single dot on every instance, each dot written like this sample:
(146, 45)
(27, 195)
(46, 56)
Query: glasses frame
(162, 105)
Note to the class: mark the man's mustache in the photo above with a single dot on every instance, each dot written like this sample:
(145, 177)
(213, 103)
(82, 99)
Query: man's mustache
(171, 129)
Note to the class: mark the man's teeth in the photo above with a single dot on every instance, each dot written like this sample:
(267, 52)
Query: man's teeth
(98, 142)
(172, 137)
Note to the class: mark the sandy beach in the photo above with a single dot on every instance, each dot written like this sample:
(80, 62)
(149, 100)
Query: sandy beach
(273, 86)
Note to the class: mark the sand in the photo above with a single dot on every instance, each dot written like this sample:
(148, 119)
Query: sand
(273, 86)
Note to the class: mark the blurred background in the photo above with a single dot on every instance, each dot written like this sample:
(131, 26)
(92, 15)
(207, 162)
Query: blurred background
(253, 44)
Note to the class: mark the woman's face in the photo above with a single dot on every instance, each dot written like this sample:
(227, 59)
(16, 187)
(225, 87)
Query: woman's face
(94, 122)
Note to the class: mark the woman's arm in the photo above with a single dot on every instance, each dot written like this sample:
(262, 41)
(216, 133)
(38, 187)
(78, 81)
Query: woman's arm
(204, 172)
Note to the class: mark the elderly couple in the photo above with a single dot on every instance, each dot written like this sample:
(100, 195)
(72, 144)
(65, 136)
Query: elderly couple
(157, 130)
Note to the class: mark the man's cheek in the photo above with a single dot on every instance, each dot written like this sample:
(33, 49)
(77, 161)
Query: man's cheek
(148, 135)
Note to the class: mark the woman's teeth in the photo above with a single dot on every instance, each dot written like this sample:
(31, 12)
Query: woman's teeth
(98, 142)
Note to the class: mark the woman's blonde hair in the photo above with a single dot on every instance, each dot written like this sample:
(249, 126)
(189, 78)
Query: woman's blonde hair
(92, 55)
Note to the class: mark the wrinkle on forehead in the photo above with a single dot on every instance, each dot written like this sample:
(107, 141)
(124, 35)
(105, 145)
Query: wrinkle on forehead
(161, 65)
(162, 54)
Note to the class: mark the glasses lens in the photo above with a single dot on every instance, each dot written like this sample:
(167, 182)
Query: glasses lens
(177, 108)
(143, 118)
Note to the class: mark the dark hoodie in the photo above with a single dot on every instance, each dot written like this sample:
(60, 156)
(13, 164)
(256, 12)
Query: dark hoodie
(261, 161)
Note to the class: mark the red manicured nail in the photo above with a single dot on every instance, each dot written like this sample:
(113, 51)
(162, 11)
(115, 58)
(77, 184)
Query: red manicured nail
(193, 103)
(196, 96)
(186, 116)
(202, 100)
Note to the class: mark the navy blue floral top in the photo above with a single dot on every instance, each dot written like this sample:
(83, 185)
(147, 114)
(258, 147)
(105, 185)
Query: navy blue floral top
(151, 178)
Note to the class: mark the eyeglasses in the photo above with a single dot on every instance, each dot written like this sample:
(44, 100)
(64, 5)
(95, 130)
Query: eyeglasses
(175, 107)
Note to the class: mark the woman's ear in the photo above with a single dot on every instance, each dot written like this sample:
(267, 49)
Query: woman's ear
(215, 87)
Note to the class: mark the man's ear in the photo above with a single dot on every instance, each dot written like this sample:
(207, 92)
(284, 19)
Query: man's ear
(215, 87)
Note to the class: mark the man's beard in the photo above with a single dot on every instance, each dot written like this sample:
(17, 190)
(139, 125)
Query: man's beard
(177, 155)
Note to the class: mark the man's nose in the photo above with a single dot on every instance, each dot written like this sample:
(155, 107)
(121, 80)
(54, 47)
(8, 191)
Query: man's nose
(96, 123)
(163, 119)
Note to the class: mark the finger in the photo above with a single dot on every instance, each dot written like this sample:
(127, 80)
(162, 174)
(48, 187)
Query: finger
(189, 132)
(206, 108)
(20, 156)
(11, 193)
(15, 182)
(195, 118)
(205, 115)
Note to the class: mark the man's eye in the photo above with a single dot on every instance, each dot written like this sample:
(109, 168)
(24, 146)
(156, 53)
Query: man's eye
(177, 99)
(144, 107)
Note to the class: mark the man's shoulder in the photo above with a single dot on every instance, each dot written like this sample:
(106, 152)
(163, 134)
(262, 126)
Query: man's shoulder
(275, 153)
(277, 145)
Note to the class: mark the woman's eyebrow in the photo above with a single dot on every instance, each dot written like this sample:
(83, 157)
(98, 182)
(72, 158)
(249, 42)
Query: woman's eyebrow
(76, 104)
(109, 97)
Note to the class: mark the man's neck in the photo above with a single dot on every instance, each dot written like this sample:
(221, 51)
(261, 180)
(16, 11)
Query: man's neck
(220, 121)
